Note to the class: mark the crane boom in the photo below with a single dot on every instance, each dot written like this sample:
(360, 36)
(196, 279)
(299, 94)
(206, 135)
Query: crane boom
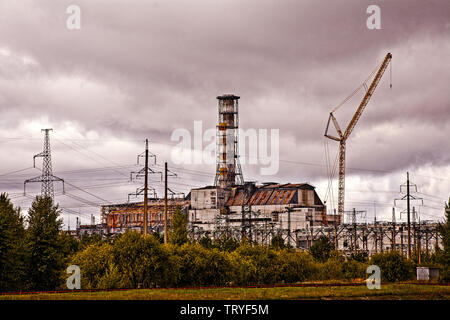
(367, 96)
(344, 136)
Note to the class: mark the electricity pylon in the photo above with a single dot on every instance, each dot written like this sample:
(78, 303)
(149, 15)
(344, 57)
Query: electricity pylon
(47, 177)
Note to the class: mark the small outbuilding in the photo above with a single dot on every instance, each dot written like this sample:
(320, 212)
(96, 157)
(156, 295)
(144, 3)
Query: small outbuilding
(427, 273)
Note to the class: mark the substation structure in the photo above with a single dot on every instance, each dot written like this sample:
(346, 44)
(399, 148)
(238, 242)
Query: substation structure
(296, 213)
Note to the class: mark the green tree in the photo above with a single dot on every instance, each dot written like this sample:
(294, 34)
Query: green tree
(178, 231)
(86, 240)
(393, 266)
(12, 246)
(360, 256)
(141, 260)
(444, 256)
(198, 266)
(95, 262)
(69, 244)
(46, 259)
(226, 244)
(278, 242)
(206, 242)
(158, 236)
(321, 249)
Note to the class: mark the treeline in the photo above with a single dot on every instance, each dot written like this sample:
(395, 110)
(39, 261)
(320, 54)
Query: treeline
(36, 257)
(32, 258)
(133, 261)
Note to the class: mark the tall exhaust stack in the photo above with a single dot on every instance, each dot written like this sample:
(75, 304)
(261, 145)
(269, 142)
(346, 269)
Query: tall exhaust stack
(228, 168)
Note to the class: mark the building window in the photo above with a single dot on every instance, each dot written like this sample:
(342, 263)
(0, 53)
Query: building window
(275, 216)
(304, 196)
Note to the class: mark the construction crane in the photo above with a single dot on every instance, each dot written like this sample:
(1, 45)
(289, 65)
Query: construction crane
(343, 136)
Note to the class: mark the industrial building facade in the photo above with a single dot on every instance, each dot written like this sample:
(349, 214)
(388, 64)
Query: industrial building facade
(256, 211)
(118, 218)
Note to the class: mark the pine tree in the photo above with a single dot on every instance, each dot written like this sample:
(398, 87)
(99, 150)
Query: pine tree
(12, 252)
(46, 260)
(178, 231)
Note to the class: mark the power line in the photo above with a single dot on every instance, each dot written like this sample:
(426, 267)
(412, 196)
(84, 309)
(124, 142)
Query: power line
(13, 172)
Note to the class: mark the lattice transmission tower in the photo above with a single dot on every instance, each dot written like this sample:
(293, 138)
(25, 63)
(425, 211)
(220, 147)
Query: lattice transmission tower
(47, 177)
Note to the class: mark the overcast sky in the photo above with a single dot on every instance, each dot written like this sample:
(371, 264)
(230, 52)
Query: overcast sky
(142, 69)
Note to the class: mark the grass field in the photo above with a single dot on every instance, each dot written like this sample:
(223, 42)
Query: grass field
(387, 291)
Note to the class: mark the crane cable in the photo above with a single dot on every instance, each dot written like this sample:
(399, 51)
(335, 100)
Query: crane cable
(357, 89)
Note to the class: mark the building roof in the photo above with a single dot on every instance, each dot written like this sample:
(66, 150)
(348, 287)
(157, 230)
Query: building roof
(228, 97)
(138, 207)
(269, 194)
(205, 188)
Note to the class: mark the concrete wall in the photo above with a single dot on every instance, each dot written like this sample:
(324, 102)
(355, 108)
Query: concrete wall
(208, 198)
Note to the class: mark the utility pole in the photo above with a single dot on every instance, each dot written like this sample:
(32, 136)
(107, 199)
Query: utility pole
(418, 242)
(393, 229)
(414, 242)
(146, 189)
(408, 198)
(354, 229)
(401, 240)
(437, 240)
(250, 236)
(144, 172)
(47, 177)
(381, 238)
(375, 231)
(408, 215)
(289, 225)
(165, 202)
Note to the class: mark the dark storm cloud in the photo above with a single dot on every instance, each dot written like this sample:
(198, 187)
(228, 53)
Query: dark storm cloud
(144, 68)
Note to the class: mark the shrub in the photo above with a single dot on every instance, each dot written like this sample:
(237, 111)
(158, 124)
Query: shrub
(111, 279)
(331, 269)
(295, 266)
(262, 261)
(206, 242)
(278, 242)
(352, 269)
(94, 262)
(141, 260)
(393, 266)
(360, 256)
(321, 249)
(196, 265)
(226, 244)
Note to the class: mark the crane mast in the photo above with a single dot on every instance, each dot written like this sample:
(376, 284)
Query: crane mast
(343, 136)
